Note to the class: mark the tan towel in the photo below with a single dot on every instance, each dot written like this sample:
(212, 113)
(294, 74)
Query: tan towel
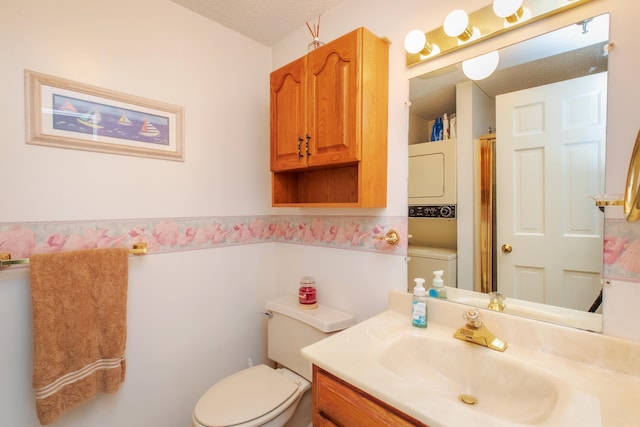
(79, 301)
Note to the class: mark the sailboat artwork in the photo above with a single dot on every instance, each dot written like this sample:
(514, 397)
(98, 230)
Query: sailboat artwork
(148, 129)
(103, 121)
(92, 119)
(65, 114)
(124, 121)
(68, 106)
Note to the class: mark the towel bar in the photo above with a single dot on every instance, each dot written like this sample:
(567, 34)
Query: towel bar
(6, 261)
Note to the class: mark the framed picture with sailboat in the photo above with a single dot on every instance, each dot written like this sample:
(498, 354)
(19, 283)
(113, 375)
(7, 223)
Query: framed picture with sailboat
(68, 114)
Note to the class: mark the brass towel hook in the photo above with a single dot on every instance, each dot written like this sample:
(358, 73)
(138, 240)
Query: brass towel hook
(392, 237)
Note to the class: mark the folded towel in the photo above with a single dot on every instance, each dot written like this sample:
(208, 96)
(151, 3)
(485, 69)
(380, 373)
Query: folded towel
(79, 301)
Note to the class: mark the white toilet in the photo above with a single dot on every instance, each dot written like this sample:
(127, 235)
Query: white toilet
(264, 396)
(423, 261)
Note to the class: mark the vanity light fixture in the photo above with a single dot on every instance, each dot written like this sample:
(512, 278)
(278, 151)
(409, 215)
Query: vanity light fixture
(456, 24)
(461, 29)
(482, 66)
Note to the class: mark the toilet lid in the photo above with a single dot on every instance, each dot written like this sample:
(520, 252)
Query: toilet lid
(243, 396)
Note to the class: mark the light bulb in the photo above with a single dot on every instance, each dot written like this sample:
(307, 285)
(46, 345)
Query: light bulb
(508, 9)
(456, 23)
(415, 41)
(482, 66)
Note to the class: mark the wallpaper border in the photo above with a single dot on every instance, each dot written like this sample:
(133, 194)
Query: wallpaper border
(362, 233)
(23, 239)
(621, 250)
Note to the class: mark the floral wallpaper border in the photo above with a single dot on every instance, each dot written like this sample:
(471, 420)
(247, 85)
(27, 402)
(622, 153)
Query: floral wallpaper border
(621, 250)
(22, 239)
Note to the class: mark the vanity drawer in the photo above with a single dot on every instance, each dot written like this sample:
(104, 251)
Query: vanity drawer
(336, 402)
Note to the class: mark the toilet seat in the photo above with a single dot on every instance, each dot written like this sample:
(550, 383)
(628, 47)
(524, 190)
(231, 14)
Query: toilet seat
(258, 393)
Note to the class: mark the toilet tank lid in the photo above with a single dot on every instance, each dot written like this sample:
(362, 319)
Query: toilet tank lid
(324, 318)
(435, 253)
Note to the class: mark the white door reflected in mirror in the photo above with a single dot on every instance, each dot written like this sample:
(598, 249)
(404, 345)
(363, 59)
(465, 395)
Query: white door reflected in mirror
(550, 149)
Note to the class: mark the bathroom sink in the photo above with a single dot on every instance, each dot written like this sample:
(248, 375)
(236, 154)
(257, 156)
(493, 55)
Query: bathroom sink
(443, 381)
(472, 376)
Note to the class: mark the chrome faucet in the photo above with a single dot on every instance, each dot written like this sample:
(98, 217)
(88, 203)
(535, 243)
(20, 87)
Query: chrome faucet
(475, 332)
(496, 301)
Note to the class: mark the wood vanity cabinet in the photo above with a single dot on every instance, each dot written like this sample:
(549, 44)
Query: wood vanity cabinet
(338, 403)
(329, 125)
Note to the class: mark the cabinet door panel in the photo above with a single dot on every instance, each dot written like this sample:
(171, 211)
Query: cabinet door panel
(288, 116)
(338, 403)
(333, 95)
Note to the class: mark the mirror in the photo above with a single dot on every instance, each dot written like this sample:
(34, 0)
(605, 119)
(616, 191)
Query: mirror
(566, 55)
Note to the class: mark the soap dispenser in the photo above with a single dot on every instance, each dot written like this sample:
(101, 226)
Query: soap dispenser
(419, 304)
(437, 289)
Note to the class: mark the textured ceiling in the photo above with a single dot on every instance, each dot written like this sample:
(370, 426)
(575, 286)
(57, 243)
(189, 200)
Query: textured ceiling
(265, 21)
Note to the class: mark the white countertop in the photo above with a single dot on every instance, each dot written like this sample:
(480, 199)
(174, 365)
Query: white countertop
(592, 394)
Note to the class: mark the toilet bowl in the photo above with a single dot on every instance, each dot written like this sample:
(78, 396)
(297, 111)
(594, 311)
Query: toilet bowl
(258, 396)
(270, 397)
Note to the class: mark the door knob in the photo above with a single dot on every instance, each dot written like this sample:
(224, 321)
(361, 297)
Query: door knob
(506, 248)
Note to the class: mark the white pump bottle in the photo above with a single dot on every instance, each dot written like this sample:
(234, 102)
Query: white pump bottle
(419, 304)
(437, 289)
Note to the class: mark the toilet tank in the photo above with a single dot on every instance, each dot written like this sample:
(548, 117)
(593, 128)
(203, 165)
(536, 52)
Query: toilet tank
(292, 327)
(423, 261)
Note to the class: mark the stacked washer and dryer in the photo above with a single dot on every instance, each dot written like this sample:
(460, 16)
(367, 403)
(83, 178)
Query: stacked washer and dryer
(432, 197)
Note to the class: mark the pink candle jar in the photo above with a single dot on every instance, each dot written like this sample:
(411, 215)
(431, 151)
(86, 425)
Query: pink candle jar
(307, 292)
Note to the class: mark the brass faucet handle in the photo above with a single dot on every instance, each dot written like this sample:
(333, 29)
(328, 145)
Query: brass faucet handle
(473, 318)
(496, 302)
(474, 332)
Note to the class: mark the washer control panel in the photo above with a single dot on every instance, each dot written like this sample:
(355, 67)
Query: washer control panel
(432, 211)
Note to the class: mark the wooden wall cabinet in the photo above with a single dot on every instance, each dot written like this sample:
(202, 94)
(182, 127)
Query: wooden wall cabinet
(338, 403)
(329, 113)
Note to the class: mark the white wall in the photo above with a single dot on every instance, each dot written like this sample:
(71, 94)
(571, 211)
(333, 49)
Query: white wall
(475, 113)
(151, 49)
(193, 317)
